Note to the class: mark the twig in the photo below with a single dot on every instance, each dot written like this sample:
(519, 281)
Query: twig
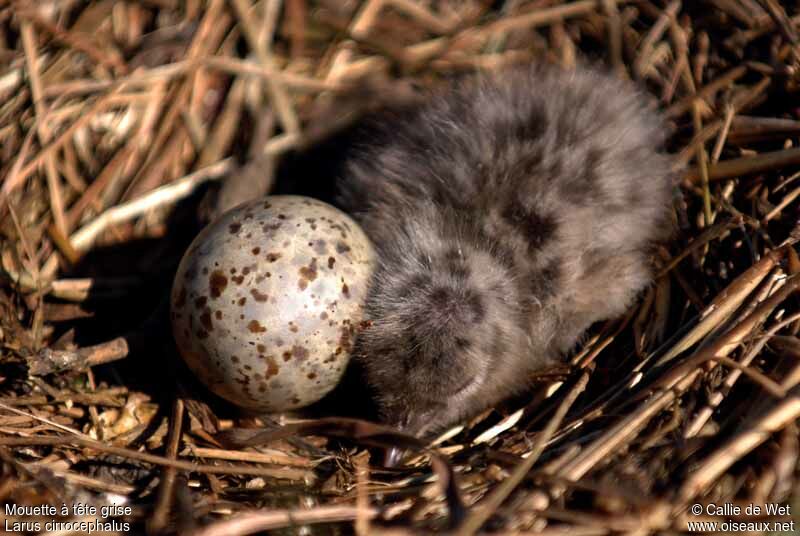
(252, 522)
(168, 194)
(78, 435)
(103, 55)
(725, 303)
(685, 104)
(49, 360)
(280, 99)
(749, 165)
(54, 187)
(702, 416)
(779, 416)
(655, 33)
(183, 465)
(166, 489)
(481, 513)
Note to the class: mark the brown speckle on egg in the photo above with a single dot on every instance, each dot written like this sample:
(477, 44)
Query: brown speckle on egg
(217, 283)
(307, 274)
(258, 296)
(272, 367)
(205, 320)
(299, 352)
(255, 327)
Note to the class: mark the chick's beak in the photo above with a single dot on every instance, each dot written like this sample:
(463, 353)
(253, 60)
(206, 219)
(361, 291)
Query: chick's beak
(413, 424)
(392, 456)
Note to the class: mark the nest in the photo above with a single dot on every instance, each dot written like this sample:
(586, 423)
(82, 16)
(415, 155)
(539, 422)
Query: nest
(118, 122)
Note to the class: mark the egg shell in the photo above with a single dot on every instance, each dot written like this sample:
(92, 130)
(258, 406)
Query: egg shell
(268, 298)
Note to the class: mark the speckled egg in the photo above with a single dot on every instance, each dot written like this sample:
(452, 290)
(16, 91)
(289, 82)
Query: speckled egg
(268, 299)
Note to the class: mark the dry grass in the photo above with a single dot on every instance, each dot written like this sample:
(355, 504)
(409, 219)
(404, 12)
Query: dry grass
(117, 122)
